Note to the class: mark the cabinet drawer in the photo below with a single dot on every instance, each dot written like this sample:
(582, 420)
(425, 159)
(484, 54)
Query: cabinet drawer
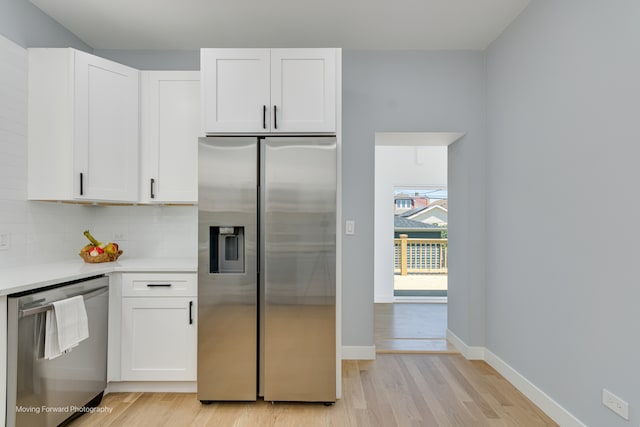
(159, 284)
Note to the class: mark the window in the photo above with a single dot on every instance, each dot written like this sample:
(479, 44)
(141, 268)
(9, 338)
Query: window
(403, 203)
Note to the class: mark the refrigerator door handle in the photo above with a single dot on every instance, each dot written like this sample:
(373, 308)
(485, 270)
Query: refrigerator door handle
(264, 117)
(258, 263)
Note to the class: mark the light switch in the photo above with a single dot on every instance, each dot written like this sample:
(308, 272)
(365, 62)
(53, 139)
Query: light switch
(350, 227)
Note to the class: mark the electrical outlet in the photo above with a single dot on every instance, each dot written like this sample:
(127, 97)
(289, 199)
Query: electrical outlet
(119, 237)
(614, 403)
(5, 241)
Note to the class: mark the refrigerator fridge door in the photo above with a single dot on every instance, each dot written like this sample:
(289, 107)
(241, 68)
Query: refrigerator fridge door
(227, 273)
(298, 227)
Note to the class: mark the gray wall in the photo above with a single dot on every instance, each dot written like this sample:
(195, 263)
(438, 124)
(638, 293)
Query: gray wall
(27, 26)
(564, 104)
(413, 91)
(154, 59)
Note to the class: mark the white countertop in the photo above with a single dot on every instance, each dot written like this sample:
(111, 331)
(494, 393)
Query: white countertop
(25, 278)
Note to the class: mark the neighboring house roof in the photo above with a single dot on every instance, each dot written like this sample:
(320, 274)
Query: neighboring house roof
(429, 210)
(444, 203)
(412, 211)
(401, 223)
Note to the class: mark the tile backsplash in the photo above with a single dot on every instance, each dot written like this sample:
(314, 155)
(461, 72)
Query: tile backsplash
(45, 232)
(38, 232)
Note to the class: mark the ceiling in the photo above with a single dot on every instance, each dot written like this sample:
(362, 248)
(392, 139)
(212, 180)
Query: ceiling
(350, 24)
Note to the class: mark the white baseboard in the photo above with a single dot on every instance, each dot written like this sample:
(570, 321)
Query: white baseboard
(421, 300)
(469, 352)
(383, 299)
(549, 406)
(152, 387)
(3, 353)
(353, 352)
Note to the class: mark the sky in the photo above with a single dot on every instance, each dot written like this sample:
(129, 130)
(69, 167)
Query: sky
(431, 193)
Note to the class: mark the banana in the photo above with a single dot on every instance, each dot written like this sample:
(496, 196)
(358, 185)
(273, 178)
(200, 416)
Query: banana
(93, 241)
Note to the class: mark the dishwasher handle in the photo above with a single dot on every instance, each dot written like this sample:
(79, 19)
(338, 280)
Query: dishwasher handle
(47, 307)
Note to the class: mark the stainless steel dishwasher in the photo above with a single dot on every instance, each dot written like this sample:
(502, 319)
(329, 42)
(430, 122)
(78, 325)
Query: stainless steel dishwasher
(43, 392)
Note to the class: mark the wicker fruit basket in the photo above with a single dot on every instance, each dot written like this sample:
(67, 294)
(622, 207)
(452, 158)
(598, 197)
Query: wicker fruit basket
(103, 257)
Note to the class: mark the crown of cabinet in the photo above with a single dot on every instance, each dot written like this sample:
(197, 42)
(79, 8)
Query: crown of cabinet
(269, 90)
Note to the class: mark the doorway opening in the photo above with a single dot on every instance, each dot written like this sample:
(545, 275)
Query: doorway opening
(420, 256)
(410, 244)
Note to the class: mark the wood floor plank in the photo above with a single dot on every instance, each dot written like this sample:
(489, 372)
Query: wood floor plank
(426, 414)
(411, 328)
(378, 404)
(394, 390)
(427, 391)
(469, 389)
(352, 384)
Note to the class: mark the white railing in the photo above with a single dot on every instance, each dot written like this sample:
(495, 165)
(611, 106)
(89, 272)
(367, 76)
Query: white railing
(420, 255)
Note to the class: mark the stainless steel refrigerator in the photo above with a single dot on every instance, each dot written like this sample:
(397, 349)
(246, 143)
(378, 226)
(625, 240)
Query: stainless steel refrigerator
(267, 268)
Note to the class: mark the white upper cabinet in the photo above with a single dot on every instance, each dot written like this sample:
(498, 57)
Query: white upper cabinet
(235, 90)
(269, 90)
(170, 130)
(83, 127)
(303, 90)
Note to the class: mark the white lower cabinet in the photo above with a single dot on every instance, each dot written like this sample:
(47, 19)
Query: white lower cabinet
(158, 331)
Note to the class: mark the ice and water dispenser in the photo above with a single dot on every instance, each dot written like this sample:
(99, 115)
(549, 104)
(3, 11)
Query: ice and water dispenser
(227, 249)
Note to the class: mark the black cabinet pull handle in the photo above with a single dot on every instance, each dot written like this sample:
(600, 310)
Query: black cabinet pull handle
(275, 117)
(81, 184)
(153, 181)
(190, 312)
(158, 285)
(264, 117)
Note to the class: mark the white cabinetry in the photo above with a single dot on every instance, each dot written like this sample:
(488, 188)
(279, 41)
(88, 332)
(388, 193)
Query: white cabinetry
(83, 127)
(235, 90)
(303, 90)
(269, 90)
(170, 128)
(158, 330)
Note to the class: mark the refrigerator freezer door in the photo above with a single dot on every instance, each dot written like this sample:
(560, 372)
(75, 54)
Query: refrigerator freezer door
(298, 269)
(227, 298)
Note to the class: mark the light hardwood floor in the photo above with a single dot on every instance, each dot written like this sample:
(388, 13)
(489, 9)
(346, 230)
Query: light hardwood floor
(394, 390)
(411, 328)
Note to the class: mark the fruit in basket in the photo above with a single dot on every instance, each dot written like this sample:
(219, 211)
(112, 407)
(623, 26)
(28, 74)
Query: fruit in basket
(97, 250)
(111, 248)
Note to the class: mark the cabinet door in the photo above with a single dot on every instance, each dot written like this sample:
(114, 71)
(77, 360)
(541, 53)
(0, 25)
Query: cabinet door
(158, 339)
(303, 90)
(170, 130)
(235, 90)
(105, 129)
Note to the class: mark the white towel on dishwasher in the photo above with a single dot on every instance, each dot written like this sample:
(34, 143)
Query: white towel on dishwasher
(66, 326)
